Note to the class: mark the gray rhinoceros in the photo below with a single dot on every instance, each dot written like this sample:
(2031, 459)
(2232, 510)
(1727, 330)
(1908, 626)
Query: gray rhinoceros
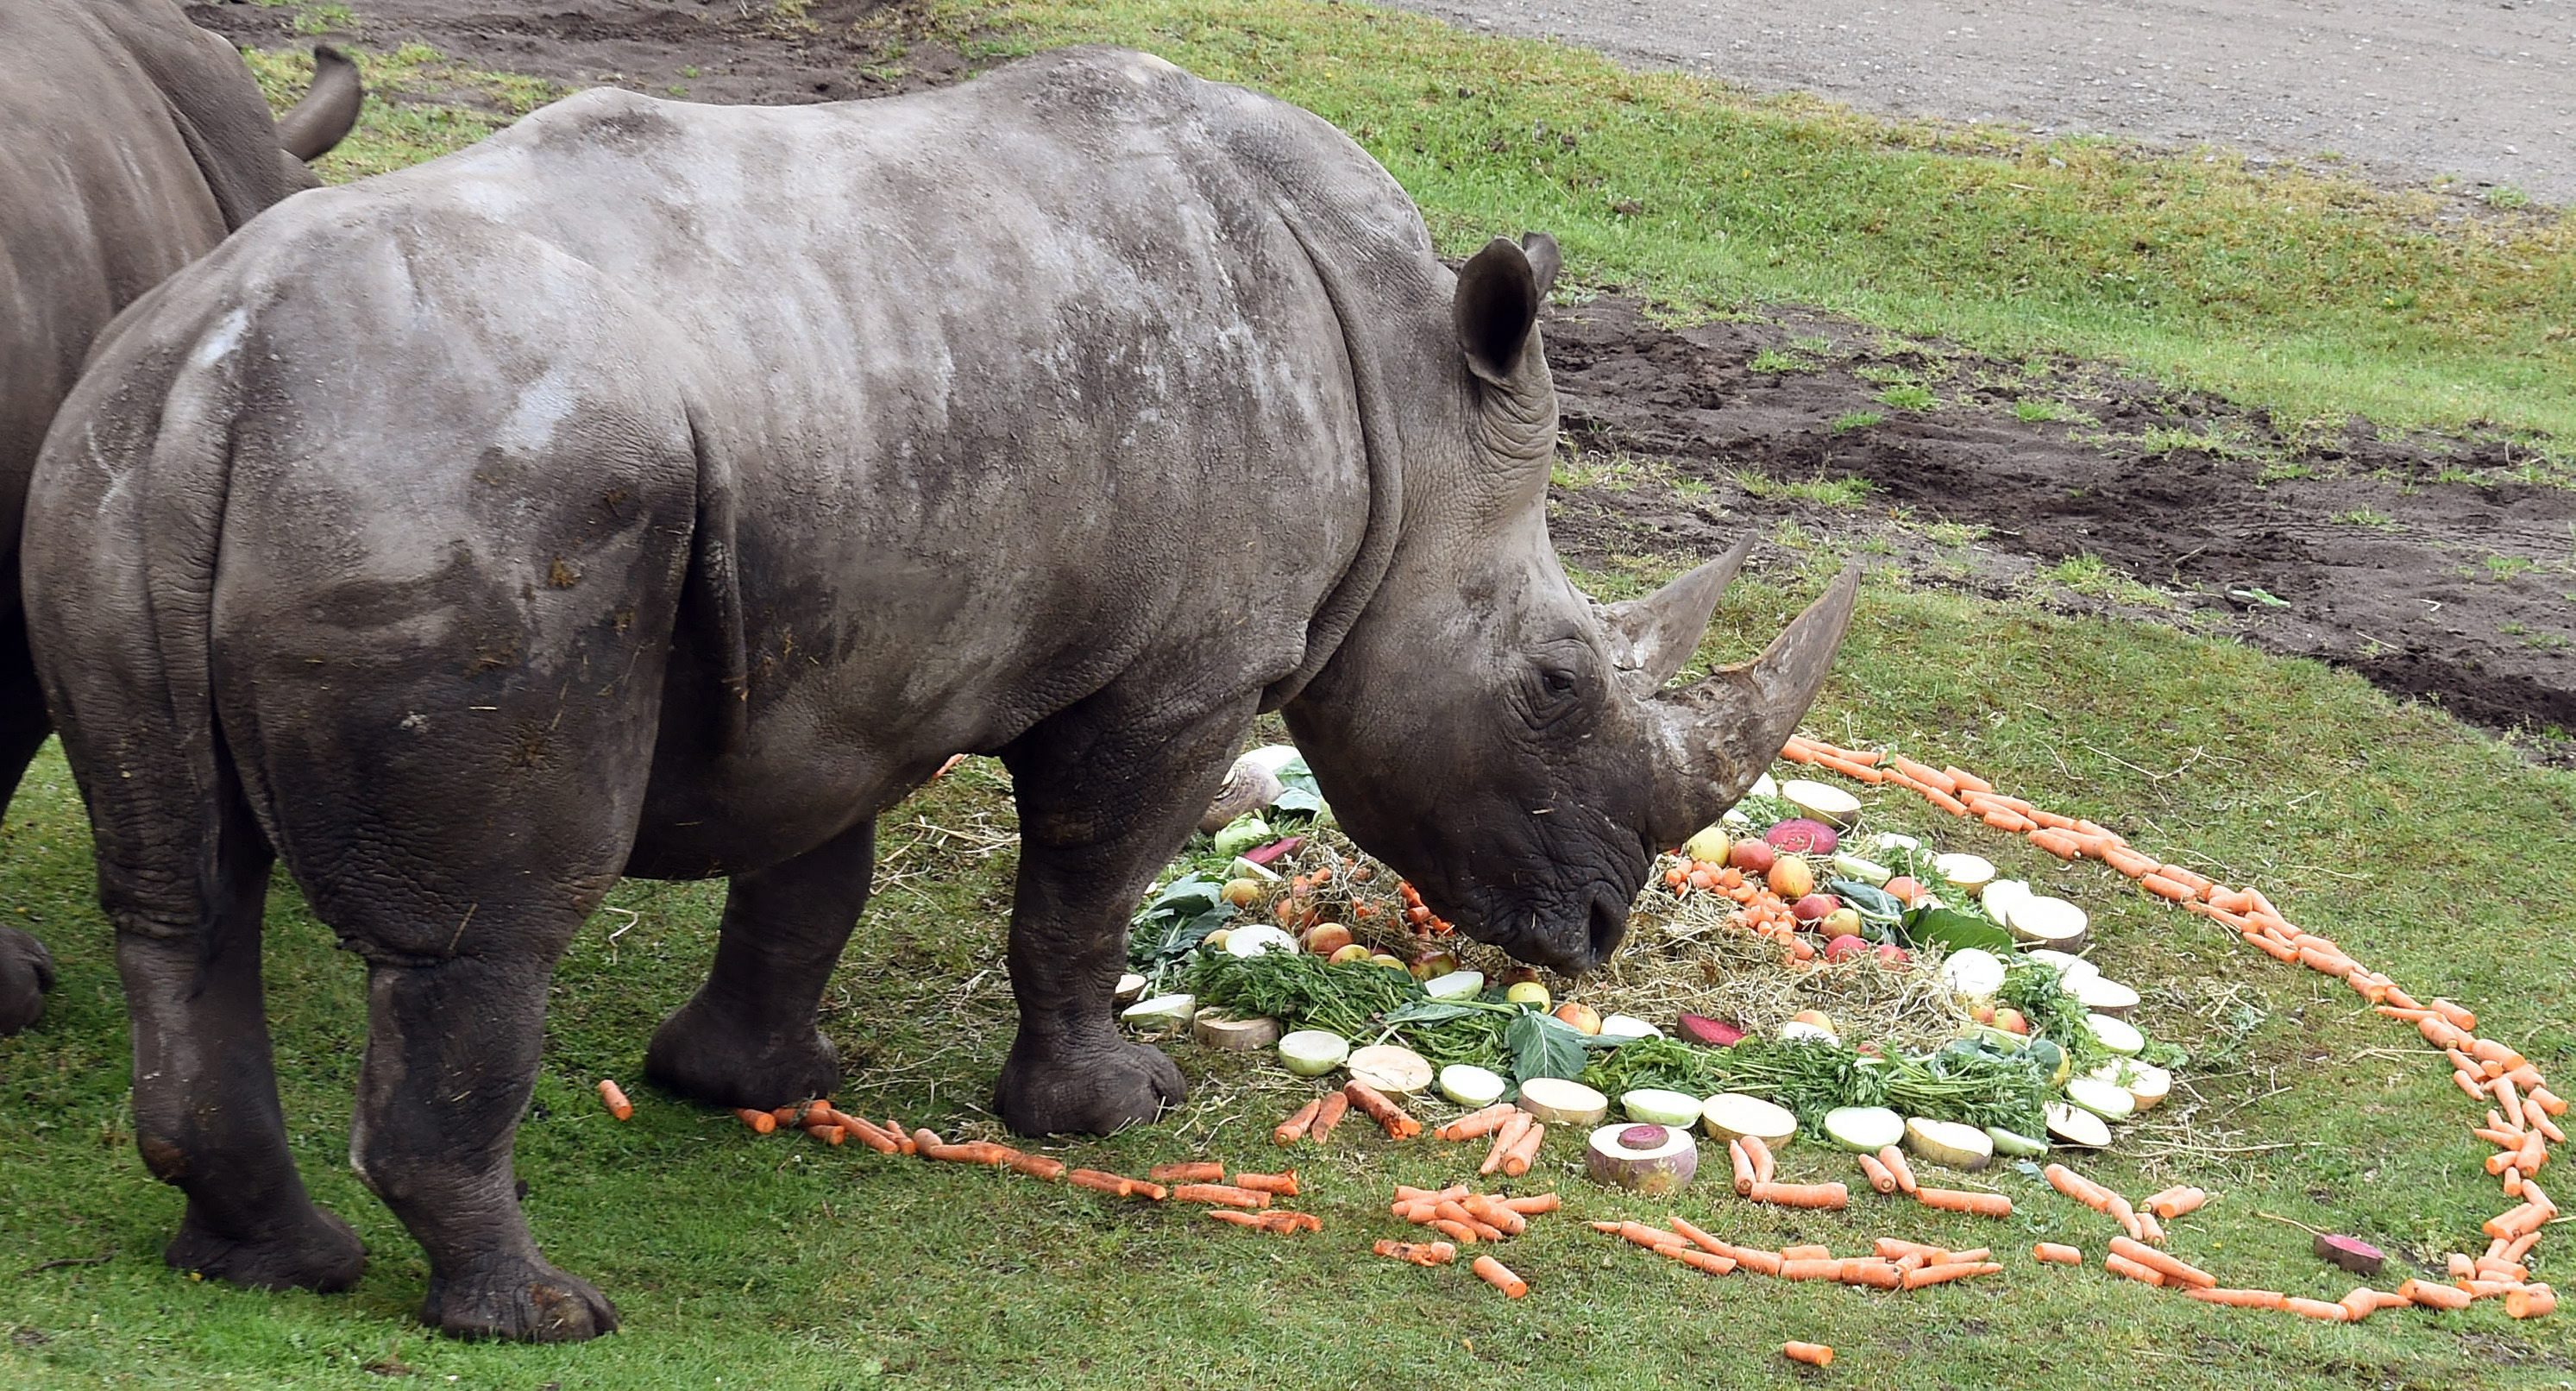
(664, 490)
(135, 142)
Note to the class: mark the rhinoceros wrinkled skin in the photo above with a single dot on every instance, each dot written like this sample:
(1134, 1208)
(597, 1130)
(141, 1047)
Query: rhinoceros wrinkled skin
(664, 490)
(134, 142)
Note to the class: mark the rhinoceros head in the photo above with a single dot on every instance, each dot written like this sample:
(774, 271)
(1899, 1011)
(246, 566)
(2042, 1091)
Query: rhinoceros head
(1487, 730)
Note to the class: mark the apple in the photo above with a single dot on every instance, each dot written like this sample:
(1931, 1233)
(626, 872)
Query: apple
(1844, 947)
(1324, 939)
(1517, 975)
(1752, 856)
(1710, 844)
(1816, 1017)
(1892, 954)
(1242, 893)
(1351, 953)
(1814, 907)
(1791, 879)
(1982, 1011)
(1527, 992)
(1584, 1018)
(1432, 962)
(1843, 920)
(2012, 1021)
(1905, 889)
(1382, 959)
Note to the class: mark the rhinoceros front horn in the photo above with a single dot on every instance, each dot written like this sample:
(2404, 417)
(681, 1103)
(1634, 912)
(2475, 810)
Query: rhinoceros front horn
(1721, 732)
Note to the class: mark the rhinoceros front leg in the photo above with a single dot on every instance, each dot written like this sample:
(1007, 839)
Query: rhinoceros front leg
(748, 1038)
(1106, 794)
(26, 969)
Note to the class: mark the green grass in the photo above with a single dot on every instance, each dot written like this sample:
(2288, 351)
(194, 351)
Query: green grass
(1847, 491)
(1775, 361)
(1849, 421)
(2092, 576)
(2036, 410)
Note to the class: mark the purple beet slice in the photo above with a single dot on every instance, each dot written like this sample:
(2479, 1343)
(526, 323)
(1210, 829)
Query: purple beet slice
(2352, 1253)
(1712, 1033)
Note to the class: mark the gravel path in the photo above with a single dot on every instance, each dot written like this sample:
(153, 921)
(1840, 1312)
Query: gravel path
(2484, 90)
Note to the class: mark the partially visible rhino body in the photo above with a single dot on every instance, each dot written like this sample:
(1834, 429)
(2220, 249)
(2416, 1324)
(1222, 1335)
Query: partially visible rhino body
(665, 490)
(134, 142)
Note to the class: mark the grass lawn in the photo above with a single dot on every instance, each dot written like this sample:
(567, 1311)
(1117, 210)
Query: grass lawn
(2428, 851)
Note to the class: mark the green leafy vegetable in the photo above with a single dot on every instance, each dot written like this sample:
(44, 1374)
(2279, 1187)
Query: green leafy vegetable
(1811, 1077)
(1953, 929)
(1299, 799)
(2055, 1015)
(1171, 925)
(1543, 1046)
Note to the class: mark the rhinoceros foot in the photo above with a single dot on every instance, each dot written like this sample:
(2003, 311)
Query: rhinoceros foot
(320, 1254)
(1091, 1091)
(517, 1297)
(707, 1055)
(26, 973)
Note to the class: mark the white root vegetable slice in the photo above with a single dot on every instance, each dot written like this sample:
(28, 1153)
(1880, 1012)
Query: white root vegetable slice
(1391, 1068)
(1764, 787)
(1647, 1159)
(2102, 995)
(1470, 1085)
(2070, 967)
(1864, 1129)
(1966, 873)
(1163, 1013)
(2012, 1144)
(2118, 1035)
(1729, 1115)
(1627, 1026)
(1269, 758)
(1796, 1029)
(2145, 1083)
(2046, 921)
(1131, 988)
(1948, 1143)
(1999, 895)
(1823, 801)
(1214, 1028)
(1869, 872)
(1557, 1101)
(1973, 972)
(1253, 939)
(1886, 841)
(2074, 1125)
(1313, 1052)
(1655, 1107)
(1457, 985)
(2109, 1100)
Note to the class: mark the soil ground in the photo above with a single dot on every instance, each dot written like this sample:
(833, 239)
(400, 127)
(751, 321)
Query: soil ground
(2411, 561)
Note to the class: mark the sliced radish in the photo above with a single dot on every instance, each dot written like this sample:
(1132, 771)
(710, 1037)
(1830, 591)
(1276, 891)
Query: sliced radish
(1313, 1052)
(1823, 801)
(1557, 1101)
(1731, 1114)
(1255, 938)
(1653, 1161)
(1391, 1068)
(1864, 1129)
(1966, 873)
(1162, 1014)
(1627, 1026)
(1948, 1143)
(2077, 1126)
(1660, 1107)
(2146, 1083)
(1869, 872)
(2118, 1035)
(1214, 1028)
(2109, 1100)
(2102, 995)
(1973, 972)
(1470, 1085)
(1457, 985)
(2046, 921)
(2013, 1144)
(2070, 968)
(1797, 1029)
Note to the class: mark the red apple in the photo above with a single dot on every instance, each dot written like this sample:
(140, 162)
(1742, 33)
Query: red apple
(1904, 889)
(1891, 954)
(1751, 856)
(1324, 939)
(2011, 1021)
(1844, 947)
(1815, 907)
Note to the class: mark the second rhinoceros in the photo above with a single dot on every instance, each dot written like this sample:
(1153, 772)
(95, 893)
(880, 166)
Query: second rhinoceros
(664, 490)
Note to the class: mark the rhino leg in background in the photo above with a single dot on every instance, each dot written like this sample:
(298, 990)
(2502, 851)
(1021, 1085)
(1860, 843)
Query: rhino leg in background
(206, 1114)
(26, 969)
(748, 1038)
(1106, 793)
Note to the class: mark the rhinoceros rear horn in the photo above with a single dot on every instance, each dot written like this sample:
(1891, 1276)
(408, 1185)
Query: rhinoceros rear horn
(1652, 637)
(1720, 733)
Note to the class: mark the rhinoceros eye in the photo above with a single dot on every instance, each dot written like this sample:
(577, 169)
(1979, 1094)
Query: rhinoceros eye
(1558, 681)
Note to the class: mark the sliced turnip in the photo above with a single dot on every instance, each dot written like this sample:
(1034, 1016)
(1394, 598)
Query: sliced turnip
(1245, 867)
(1888, 841)
(1653, 1161)
(2103, 995)
(1732, 1114)
(2118, 1035)
(2109, 1100)
(1131, 988)
(1457, 985)
(2015, 1145)
(1214, 1028)
(2046, 921)
(1764, 787)
(1391, 1068)
(1864, 1129)
(1948, 1143)
(2076, 1126)
(2070, 968)
(1999, 895)
(1470, 1085)
(1973, 972)
(1627, 1026)
(1313, 1052)
(1162, 1014)
(1823, 801)
(1253, 939)
(1797, 1029)
(1655, 1107)
(1966, 873)
(1869, 872)
(2145, 1083)
(1560, 1102)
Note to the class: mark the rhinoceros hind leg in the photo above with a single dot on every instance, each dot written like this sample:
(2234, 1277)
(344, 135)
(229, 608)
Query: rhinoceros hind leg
(26, 970)
(26, 973)
(1107, 790)
(747, 1038)
(516, 1296)
(322, 1255)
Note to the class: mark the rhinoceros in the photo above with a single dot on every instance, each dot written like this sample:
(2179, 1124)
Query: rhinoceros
(136, 141)
(664, 490)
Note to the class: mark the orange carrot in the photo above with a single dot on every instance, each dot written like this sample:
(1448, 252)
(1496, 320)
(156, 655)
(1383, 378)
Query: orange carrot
(2434, 1296)
(2055, 1254)
(970, 1152)
(1116, 1185)
(2227, 900)
(1293, 1129)
(1879, 1175)
(1757, 1260)
(2487, 1289)
(1195, 1171)
(1813, 1354)
(1223, 1194)
(1419, 1253)
(2197, 882)
(2174, 1270)
(895, 1128)
(1490, 1211)
(1494, 1273)
(1036, 1166)
(1929, 777)
(1804, 1195)
(1282, 1185)
(2239, 1299)
(2531, 1302)
(1808, 1252)
(1637, 1232)
(1390, 1117)
(1960, 1200)
(2118, 1264)
(2003, 820)
(1524, 1151)
(2177, 1202)
(1897, 1248)
(2550, 1101)
(1871, 1273)
(2076, 1186)
(2150, 1230)
(1858, 772)
(1945, 801)
(1278, 1223)
(2129, 862)
(1534, 1204)
(1759, 1152)
(1459, 1232)
(925, 1140)
(2118, 1210)
(1702, 1239)
(1409, 1194)
(1484, 1122)
(1966, 781)
(828, 1134)
(2163, 888)
(2540, 1122)
(2316, 1309)
(615, 1098)
(1943, 1274)
(1506, 1135)
(2058, 843)
(1898, 1165)
(1808, 1268)
(1328, 1113)
(2520, 1246)
(2458, 1017)
(1709, 1261)
(1743, 1167)
(761, 1122)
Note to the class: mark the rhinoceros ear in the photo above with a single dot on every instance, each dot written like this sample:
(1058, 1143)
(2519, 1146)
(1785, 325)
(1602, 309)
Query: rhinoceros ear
(1499, 290)
(1544, 259)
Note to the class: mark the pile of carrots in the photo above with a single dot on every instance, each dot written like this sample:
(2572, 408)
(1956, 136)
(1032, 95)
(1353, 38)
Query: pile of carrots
(1516, 1134)
(1894, 1263)
(1762, 912)
(2521, 1119)
(1315, 1120)
(1466, 1218)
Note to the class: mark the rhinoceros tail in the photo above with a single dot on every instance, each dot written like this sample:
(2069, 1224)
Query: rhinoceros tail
(712, 600)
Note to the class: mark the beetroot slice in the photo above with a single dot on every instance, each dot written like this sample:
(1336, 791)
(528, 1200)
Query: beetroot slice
(2352, 1253)
(1643, 1137)
(1274, 850)
(1712, 1033)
